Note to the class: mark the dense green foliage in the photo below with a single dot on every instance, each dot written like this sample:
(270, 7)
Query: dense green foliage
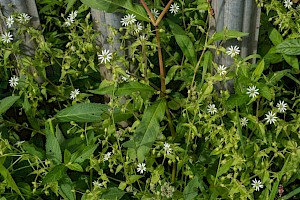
(67, 133)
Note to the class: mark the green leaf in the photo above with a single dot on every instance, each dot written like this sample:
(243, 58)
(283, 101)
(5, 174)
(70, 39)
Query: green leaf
(149, 128)
(275, 36)
(265, 91)
(106, 87)
(9, 180)
(277, 76)
(225, 167)
(53, 151)
(289, 47)
(83, 154)
(75, 167)
(291, 194)
(126, 89)
(70, 5)
(225, 35)
(113, 193)
(184, 42)
(33, 150)
(54, 174)
(134, 178)
(236, 100)
(191, 190)
(258, 70)
(101, 5)
(30, 115)
(7, 102)
(113, 5)
(171, 73)
(82, 112)
(66, 189)
(292, 60)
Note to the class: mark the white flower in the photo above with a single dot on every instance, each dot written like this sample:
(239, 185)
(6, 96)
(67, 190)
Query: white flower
(281, 106)
(7, 37)
(233, 51)
(73, 15)
(155, 13)
(270, 117)
(10, 21)
(211, 108)
(257, 184)
(244, 121)
(107, 156)
(124, 21)
(138, 27)
(105, 56)
(19, 143)
(288, 4)
(124, 78)
(71, 18)
(143, 38)
(252, 91)
(174, 8)
(97, 184)
(74, 93)
(222, 70)
(68, 22)
(131, 18)
(73, 48)
(13, 81)
(128, 19)
(23, 18)
(141, 168)
(167, 148)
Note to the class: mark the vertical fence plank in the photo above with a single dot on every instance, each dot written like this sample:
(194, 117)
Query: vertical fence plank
(104, 22)
(239, 15)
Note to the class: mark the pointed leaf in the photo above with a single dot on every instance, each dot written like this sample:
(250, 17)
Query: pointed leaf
(53, 151)
(275, 36)
(148, 130)
(289, 47)
(54, 174)
(130, 87)
(82, 112)
(113, 5)
(66, 189)
(113, 193)
(184, 42)
(7, 102)
(292, 60)
(191, 190)
(81, 155)
(258, 70)
(9, 180)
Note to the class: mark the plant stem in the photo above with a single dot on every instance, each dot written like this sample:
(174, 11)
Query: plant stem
(148, 12)
(161, 65)
(163, 13)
